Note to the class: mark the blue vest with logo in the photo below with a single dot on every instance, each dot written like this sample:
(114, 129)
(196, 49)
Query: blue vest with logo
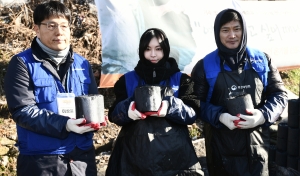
(132, 81)
(46, 87)
(258, 60)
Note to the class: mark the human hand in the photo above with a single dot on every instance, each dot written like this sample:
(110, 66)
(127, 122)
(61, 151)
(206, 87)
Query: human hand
(228, 120)
(133, 113)
(250, 121)
(78, 126)
(104, 124)
(162, 111)
(97, 126)
(236, 122)
(94, 125)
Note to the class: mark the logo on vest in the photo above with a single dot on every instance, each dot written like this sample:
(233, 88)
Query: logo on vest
(234, 87)
(252, 60)
(78, 69)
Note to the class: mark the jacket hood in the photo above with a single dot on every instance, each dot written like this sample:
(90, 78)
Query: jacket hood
(236, 54)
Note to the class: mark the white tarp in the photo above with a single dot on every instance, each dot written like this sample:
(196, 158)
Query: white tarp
(273, 27)
(12, 2)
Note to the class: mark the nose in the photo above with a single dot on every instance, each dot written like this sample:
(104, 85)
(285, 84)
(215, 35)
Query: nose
(59, 29)
(153, 53)
(232, 34)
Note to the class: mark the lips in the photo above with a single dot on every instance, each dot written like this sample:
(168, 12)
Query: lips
(232, 42)
(59, 41)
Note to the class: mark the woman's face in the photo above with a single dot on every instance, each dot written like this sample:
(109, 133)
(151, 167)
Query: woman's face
(230, 34)
(154, 52)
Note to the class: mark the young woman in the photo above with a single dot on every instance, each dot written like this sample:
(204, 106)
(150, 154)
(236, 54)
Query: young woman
(154, 143)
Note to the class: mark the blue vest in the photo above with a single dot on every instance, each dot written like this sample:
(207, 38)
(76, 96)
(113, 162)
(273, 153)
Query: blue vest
(132, 81)
(259, 63)
(46, 87)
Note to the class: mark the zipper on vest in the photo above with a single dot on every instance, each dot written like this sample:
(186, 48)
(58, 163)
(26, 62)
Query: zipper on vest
(154, 73)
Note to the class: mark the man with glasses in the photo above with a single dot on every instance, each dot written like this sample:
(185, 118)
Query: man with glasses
(40, 85)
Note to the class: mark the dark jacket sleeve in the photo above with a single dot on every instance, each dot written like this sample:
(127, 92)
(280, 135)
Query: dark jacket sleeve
(118, 112)
(183, 109)
(41, 121)
(208, 112)
(22, 105)
(276, 96)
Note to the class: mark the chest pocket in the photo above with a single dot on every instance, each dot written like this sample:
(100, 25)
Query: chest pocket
(44, 90)
(84, 83)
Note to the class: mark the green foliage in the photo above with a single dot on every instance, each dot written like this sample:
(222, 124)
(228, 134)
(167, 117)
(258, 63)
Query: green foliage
(195, 132)
(291, 79)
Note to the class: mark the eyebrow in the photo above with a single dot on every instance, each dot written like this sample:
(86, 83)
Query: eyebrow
(229, 27)
(154, 46)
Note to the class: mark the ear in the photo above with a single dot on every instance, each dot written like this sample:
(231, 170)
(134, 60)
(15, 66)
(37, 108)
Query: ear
(36, 28)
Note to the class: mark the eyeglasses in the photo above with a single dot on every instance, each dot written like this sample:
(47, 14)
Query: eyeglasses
(51, 26)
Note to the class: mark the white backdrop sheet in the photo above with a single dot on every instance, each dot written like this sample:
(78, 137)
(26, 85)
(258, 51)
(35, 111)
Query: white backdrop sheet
(273, 27)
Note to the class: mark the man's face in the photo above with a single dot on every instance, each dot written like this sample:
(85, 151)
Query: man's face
(54, 37)
(230, 34)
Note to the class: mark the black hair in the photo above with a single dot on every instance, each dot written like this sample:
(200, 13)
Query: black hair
(229, 16)
(52, 8)
(146, 38)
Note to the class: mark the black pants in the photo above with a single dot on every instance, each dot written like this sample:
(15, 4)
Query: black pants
(75, 163)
